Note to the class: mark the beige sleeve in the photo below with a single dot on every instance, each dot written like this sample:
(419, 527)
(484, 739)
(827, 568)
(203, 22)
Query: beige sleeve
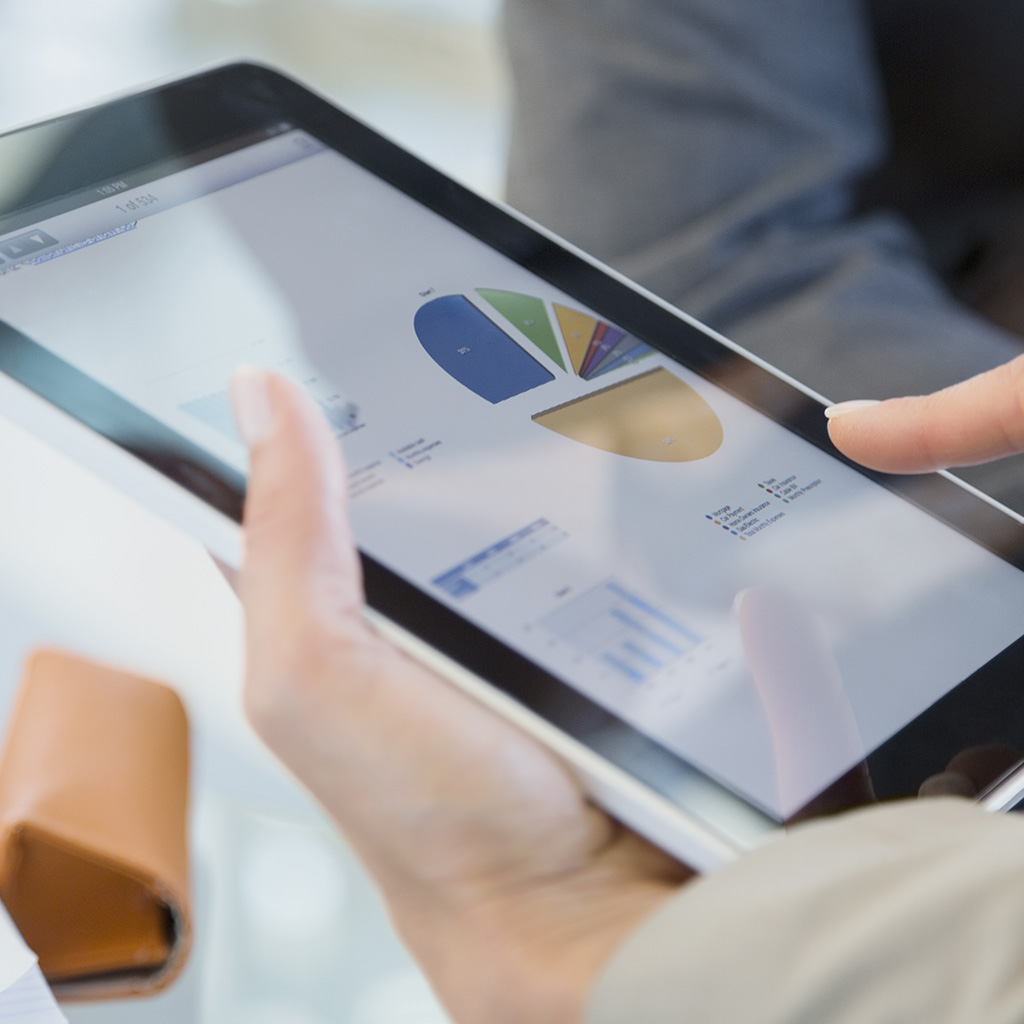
(902, 912)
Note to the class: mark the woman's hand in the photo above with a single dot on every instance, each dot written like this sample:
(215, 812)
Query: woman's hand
(508, 886)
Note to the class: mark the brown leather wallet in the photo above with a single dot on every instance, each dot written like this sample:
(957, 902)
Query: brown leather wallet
(93, 833)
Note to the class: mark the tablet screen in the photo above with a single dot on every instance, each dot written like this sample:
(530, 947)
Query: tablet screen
(524, 460)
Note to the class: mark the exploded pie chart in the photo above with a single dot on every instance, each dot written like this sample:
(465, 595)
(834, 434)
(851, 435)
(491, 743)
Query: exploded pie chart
(653, 416)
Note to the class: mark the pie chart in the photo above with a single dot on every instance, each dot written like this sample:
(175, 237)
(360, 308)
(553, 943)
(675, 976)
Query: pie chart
(654, 416)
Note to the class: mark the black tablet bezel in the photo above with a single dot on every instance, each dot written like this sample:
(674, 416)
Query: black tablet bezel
(68, 161)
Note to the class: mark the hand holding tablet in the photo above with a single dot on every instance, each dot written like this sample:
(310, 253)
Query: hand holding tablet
(508, 885)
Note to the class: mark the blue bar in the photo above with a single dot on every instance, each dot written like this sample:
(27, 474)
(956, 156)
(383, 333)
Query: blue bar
(621, 666)
(654, 613)
(643, 655)
(640, 628)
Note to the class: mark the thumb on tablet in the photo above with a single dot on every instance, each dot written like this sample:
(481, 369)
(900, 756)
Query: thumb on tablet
(301, 576)
(974, 421)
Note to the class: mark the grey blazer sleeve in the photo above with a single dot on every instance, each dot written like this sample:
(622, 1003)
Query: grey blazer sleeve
(910, 912)
(709, 149)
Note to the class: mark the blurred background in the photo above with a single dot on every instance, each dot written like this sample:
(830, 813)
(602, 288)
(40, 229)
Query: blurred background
(289, 930)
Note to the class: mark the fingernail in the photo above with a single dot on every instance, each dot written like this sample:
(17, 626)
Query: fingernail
(250, 402)
(842, 408)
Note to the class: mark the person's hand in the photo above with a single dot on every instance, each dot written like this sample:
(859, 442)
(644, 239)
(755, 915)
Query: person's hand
(507, 885)
(975, 421)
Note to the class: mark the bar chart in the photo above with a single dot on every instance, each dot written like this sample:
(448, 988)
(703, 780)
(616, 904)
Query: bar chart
(622, 631)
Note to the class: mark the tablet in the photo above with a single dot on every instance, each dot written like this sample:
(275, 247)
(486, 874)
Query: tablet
(575, 501)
